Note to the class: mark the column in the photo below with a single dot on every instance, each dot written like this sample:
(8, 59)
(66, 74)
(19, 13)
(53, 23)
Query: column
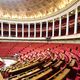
(22, 30)
(40, 29)
(46, 29)
(60, 26)
(53, 29)
(76, 17)
(1, 29)
(67, 24)
(16, 30)
(29, 30)
(34, 29)
(9, 30)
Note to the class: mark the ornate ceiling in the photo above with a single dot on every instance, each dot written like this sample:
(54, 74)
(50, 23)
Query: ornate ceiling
(24, 9)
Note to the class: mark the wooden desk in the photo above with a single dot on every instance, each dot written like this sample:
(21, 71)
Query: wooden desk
(72, 63)
(58, 64)
(25, 74)
(51, 77)
(11, 71)
(1, 77)
(42, 74)
(55, 63)
(63, 74)
(55, 74)
(47, 64)
(66, 71)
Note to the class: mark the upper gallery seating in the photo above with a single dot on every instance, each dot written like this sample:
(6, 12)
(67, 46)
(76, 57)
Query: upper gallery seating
(38, 61)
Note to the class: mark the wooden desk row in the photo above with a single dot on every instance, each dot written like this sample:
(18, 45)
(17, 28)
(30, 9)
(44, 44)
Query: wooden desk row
(26, 68)
(43, 74)
(66, 71)
(37, 70)
(50, 71)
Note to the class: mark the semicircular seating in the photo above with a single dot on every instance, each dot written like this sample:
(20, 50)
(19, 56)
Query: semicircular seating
(45, 61)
